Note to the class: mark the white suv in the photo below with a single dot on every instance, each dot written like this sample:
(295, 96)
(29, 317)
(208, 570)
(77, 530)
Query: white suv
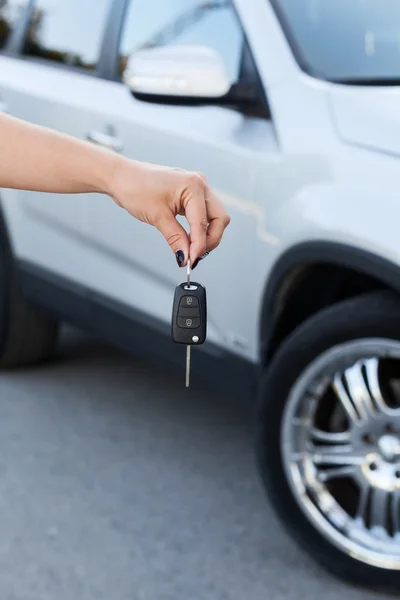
(291, 108)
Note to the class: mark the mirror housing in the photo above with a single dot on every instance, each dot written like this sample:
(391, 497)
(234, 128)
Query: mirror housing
(180, 71)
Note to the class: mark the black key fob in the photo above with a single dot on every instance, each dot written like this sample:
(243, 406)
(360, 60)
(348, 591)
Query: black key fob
(189, 314)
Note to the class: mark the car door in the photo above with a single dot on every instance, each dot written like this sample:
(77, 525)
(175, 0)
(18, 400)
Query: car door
(129, 261)
(51, 80)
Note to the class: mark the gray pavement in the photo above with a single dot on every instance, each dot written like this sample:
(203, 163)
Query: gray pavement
(117, 484)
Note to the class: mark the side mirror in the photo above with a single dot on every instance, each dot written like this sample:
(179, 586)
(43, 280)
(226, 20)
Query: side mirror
(177, 71)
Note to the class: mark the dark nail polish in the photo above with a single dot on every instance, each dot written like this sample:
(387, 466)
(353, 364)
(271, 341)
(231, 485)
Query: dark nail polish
(196, 262)
(180, 257)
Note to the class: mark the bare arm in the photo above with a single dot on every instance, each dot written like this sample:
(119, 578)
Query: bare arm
(35, 158)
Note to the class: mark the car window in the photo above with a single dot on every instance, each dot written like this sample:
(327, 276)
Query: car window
(151, 23)
(10, 13)
(68, 31)
(345, 40)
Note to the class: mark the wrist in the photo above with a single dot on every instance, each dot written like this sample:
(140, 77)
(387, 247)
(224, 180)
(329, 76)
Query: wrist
(105, 172)
(123, 179)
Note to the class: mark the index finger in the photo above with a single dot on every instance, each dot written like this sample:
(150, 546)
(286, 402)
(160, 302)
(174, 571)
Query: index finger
(196, 215)
(218, 219)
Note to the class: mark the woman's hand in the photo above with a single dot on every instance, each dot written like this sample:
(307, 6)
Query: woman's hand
(36, 158)
(156, 195)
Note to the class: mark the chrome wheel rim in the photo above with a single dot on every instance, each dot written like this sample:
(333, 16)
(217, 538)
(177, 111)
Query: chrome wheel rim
(340, 448)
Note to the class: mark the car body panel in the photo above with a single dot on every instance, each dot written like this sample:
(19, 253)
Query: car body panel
(368, 117)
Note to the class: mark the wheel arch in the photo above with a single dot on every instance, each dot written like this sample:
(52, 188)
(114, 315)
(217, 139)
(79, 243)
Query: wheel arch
(312, 275)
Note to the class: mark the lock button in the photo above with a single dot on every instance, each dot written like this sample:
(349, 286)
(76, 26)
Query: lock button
(189, 301)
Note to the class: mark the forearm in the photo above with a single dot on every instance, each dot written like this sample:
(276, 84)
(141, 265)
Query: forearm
(35, 158)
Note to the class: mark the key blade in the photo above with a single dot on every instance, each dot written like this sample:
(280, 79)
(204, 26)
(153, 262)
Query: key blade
(188, 272)
(188, 348)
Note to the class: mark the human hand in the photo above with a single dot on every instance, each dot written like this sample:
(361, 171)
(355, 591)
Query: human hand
(157, 195)
(39, 159)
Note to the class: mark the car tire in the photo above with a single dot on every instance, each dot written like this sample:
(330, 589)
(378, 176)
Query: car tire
(286, 457)
(27, 335)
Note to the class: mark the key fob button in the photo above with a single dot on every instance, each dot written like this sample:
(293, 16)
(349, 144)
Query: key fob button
(189, 301)
(188, 323)
(193, 313)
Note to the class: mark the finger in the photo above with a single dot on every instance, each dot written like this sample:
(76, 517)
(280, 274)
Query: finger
(218, 219)
(196, 215)
(215, 232)
(174, 233)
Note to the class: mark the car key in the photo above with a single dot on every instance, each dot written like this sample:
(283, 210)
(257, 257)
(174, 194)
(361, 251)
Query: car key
(189, 317)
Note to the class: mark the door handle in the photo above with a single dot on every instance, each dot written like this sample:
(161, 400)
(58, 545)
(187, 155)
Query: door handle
(110, 142)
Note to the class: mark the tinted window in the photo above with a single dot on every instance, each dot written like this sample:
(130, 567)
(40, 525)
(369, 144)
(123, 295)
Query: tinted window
(346, 39)
(152, 23)
(68, 31)
(10, 13)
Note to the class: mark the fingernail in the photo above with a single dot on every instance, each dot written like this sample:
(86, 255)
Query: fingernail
(196, 262)
(180, 257)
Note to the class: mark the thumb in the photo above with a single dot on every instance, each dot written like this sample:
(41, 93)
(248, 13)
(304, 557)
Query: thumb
(174, 233)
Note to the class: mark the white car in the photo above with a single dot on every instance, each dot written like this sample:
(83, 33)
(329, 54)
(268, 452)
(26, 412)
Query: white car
(292, 110)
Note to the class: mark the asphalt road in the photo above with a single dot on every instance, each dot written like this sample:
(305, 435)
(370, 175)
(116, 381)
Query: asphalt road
(116, 483)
